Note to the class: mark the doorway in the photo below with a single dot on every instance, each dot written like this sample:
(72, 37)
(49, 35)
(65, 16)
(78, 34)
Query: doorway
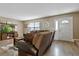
(64, 29)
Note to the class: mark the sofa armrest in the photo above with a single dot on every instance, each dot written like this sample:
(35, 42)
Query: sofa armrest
(19, 39)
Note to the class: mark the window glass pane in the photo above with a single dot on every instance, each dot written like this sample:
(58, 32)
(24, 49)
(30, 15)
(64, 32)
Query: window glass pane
(56, 25)
(33, 26)
(37, 24)
(16, 28)
(30, 25)
(31, 29)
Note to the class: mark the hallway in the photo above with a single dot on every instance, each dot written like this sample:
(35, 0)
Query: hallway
(63, 48)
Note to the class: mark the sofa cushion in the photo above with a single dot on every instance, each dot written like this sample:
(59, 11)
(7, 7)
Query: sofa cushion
(27, 47)
(36, 38)
(28, 37)
(41, 36)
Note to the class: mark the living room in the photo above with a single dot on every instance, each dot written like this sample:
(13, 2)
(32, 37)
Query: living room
(17, 21)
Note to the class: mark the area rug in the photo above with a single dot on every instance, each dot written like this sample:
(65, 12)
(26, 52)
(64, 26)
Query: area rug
(7, 48)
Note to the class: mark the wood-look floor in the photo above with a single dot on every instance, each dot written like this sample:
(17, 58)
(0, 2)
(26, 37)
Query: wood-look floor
(58, 48)
(62, 48)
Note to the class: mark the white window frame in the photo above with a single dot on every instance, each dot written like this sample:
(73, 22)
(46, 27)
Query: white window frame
(29, 26)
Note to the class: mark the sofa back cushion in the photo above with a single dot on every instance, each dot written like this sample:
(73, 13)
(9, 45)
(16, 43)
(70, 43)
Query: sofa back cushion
(41, 41)
(30, 36)
(39, 31)
(36, 38)
(44, 43)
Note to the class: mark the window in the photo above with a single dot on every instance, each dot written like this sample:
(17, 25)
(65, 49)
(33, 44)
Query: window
(33, 26)
(56, 25)
(16, 28)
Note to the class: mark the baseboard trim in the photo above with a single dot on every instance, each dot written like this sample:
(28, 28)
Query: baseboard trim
(72, 40)
(75, 39)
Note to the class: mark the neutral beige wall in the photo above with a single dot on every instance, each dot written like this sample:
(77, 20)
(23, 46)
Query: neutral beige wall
(76, 26)
(48, 23)
(13, 21)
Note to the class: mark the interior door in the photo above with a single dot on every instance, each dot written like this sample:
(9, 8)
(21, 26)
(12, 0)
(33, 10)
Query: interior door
(65, 29)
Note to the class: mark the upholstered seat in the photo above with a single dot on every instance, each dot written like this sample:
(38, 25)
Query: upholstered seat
(26, 47)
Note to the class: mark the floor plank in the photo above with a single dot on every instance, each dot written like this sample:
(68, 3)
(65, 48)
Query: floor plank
(63, 48)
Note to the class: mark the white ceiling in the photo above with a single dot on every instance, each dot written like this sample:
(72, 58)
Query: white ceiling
(27, 11)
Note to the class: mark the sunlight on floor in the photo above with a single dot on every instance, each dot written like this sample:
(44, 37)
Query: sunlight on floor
(56, 51)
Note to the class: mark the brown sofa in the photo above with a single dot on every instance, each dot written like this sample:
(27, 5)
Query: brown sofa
(39, 45)
(29, 36)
